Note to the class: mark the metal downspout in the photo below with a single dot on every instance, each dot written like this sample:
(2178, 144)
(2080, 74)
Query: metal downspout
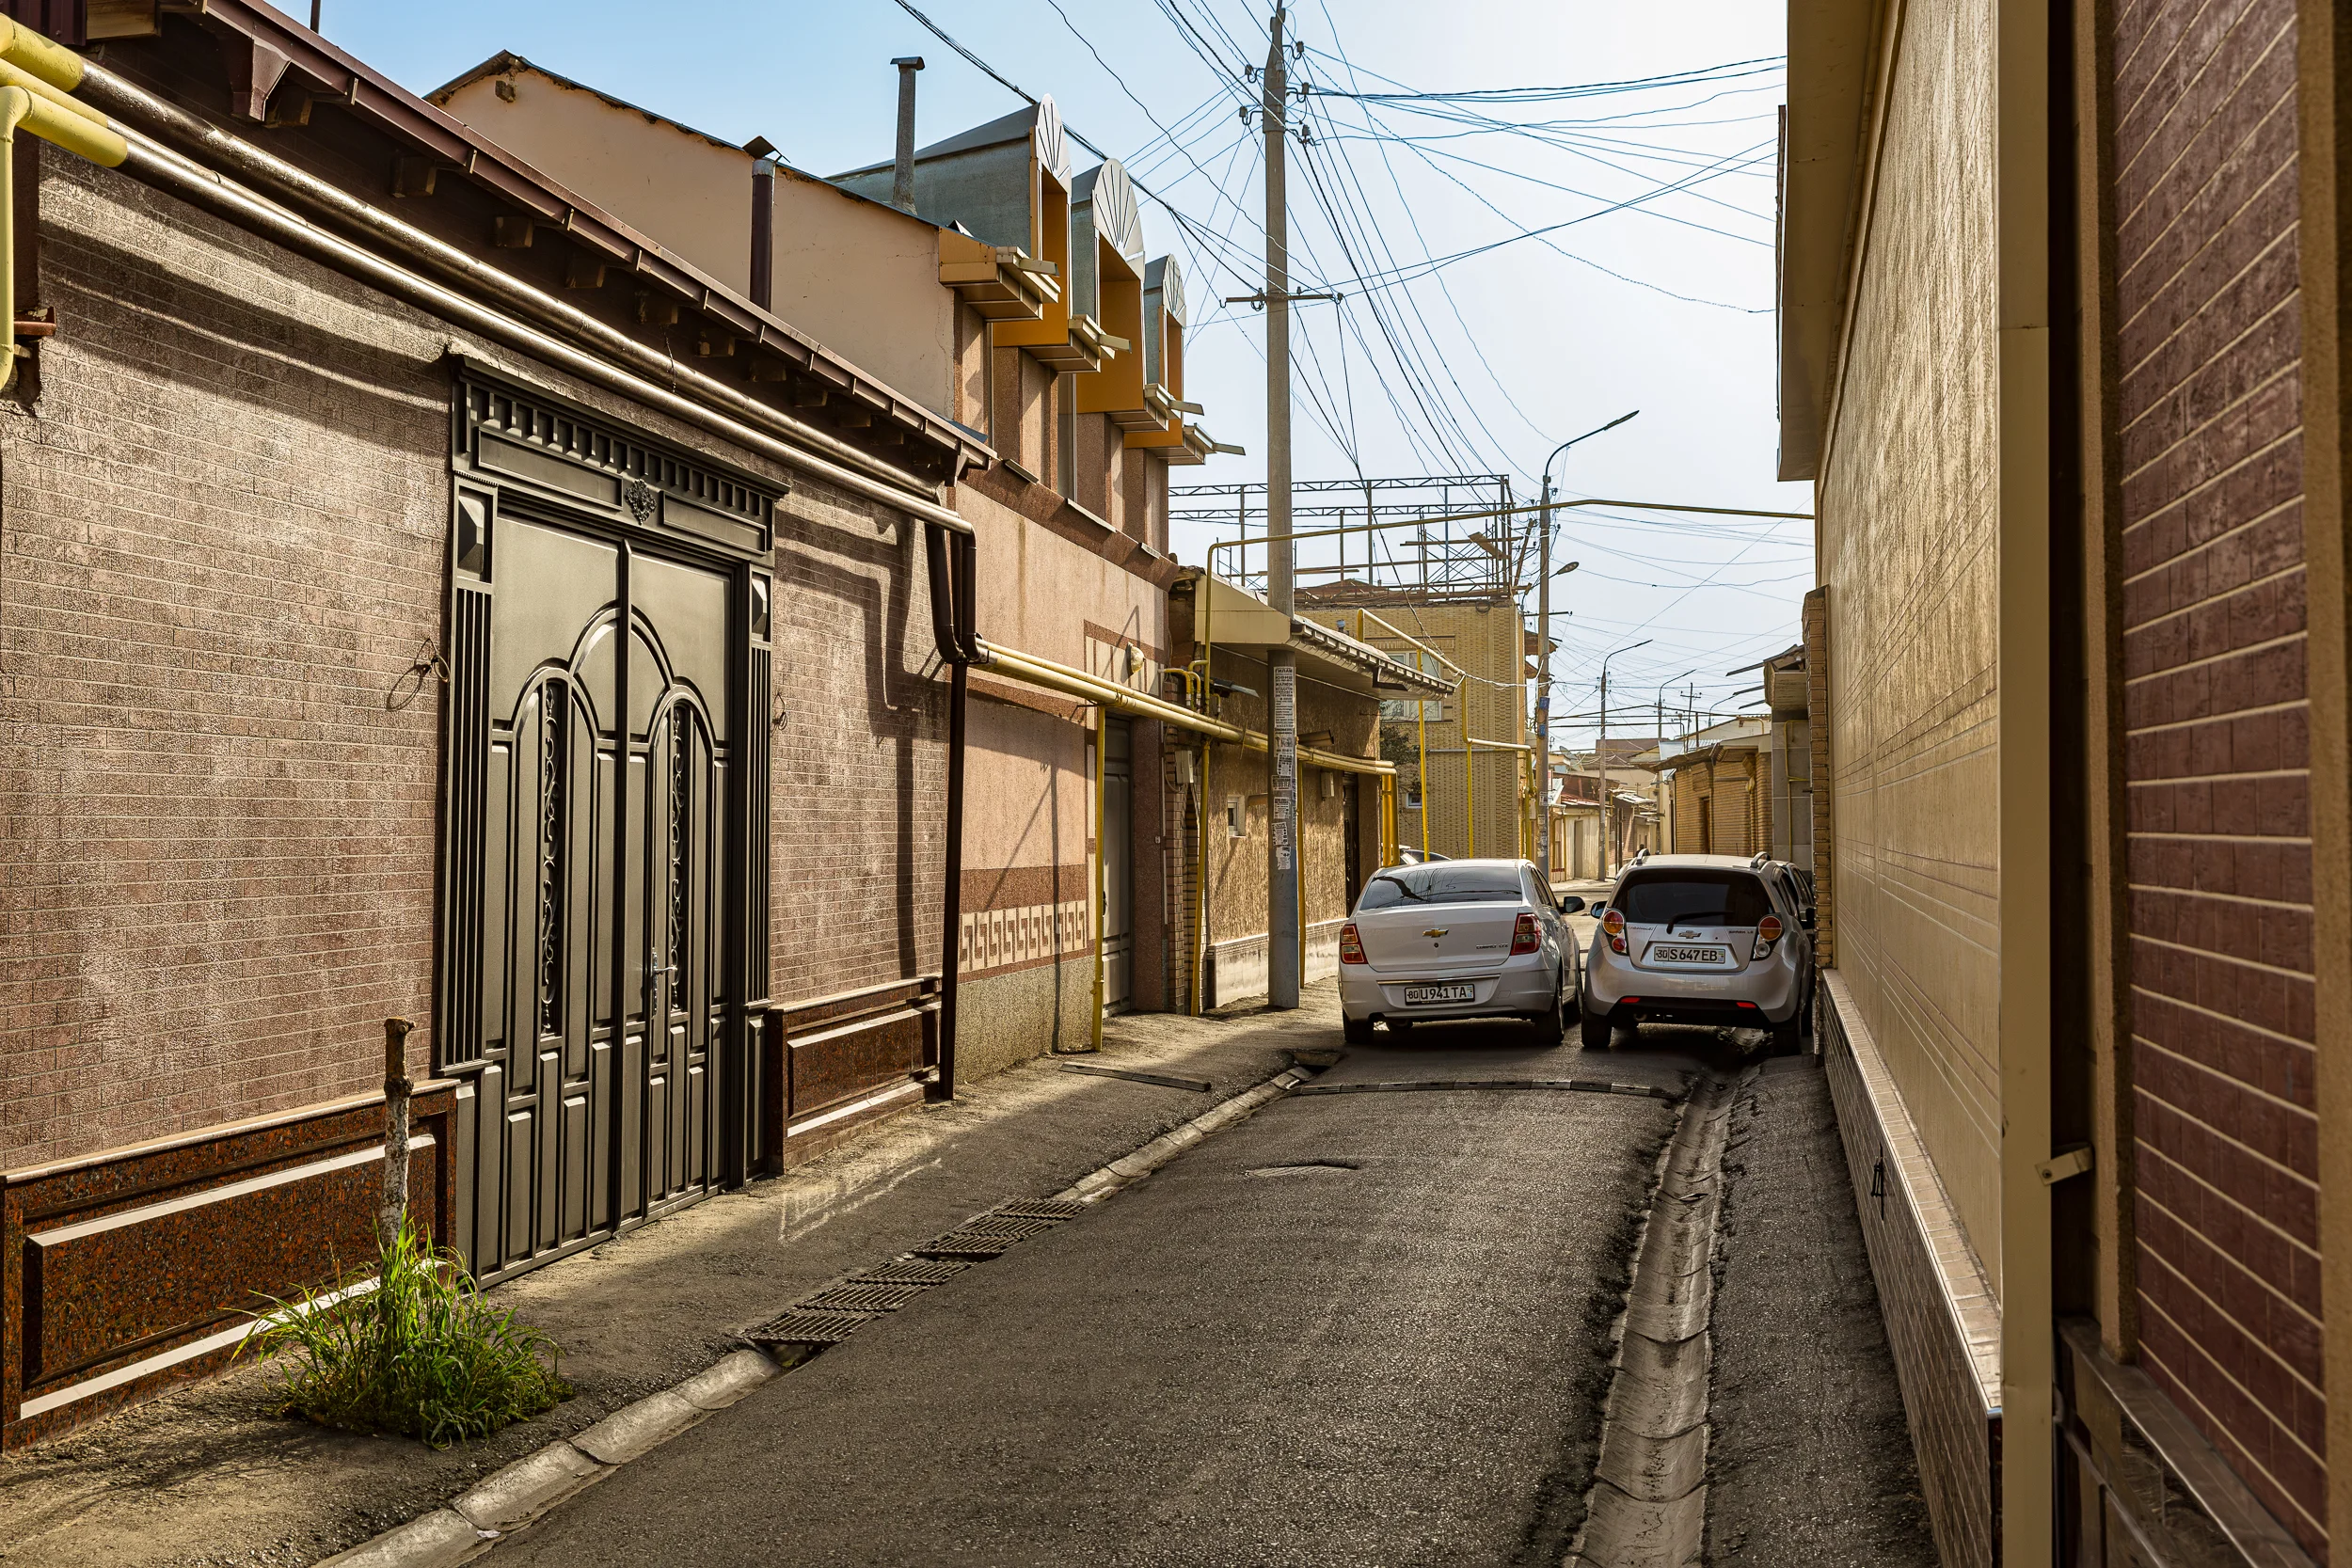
(15, 104)
(951, 558)
(1201, 886)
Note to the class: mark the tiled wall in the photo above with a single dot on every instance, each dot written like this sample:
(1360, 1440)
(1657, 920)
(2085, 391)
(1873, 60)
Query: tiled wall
(2219, 853)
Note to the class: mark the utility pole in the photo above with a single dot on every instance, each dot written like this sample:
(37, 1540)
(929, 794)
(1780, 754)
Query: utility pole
(1282, 935)
(1543, 693)
(1543, 666)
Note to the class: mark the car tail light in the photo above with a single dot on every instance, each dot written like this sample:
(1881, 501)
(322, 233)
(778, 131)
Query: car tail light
(1525, 938)
(1612, 926)
(1351, 944)
(1767, 932)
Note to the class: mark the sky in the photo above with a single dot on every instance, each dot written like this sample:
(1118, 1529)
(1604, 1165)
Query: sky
(1635, 298)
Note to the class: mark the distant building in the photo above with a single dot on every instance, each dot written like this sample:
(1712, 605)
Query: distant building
(1465, 783)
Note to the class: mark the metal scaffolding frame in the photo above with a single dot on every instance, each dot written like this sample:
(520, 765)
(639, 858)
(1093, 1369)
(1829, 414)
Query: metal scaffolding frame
(1449, 560)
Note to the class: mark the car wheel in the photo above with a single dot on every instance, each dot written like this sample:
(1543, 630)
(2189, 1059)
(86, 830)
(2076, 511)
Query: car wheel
(1356, 1031)
(1400, 1025)
(1788, 1039)
(1551, 1027)
(1597, 1030)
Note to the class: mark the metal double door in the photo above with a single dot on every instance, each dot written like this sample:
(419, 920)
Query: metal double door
(604, 998)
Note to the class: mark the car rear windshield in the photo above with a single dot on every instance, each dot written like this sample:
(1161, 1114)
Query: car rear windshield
(1440, 884)
(1693, 898)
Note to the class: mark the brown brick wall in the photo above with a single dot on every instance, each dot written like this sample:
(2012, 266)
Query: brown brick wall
(858, 814)
(222, 530)
(2218, 854)
(223, 547)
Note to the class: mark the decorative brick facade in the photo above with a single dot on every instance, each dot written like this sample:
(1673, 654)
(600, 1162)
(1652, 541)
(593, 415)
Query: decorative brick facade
(223, 556)
(2218, 860)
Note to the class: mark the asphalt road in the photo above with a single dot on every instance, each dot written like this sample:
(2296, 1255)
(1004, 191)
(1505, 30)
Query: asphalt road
(1356, 1328)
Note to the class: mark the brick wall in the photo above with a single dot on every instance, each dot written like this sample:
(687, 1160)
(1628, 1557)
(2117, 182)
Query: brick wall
(857, 819)
(1818, 736)
(222, 530)
(220, 551)
(2219, 859)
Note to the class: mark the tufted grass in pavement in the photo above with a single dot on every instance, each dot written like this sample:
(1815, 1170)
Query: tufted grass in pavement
(422, 1353)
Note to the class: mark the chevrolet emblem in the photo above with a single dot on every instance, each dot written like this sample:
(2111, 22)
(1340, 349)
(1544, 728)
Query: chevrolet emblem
(1436, 930)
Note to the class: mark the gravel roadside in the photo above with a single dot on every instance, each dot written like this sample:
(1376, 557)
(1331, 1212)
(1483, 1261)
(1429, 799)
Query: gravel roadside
(1809, 1458)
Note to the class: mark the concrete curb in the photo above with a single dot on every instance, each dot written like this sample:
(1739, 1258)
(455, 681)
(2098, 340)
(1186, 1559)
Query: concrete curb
(513, 1496)
(1095, 1186)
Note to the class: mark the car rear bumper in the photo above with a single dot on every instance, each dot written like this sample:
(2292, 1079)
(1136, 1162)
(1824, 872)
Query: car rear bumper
(1766, 994)
(1524, 985)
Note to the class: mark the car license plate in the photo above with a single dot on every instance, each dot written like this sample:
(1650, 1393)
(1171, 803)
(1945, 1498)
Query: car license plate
(1662, 954)
(1416, 995)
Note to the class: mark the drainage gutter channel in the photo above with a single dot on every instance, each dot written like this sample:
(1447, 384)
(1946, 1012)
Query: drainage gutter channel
(520, 1492)
(1647, 1506)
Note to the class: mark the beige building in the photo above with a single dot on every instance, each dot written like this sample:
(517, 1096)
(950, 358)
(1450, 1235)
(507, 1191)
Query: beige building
(1017, 299)
(2063, 351)
(1347, 810)
(1745, 786)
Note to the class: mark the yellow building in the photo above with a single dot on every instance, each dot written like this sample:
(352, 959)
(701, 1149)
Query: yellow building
(1476, 796)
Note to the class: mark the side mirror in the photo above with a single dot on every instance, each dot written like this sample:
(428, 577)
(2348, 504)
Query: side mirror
(1596, 911)
(1570, 904)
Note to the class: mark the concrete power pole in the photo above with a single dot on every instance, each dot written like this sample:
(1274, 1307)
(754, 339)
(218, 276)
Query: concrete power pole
(1282, 933)
(1543, 694)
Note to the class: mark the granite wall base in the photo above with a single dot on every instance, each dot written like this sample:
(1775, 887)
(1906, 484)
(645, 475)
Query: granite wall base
(132, 1270)
(833, 1064)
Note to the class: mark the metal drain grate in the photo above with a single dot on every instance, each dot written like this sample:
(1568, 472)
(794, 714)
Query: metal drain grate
(864, 1296)
(1041, 1208)
(967, 1244)
(997, 1223)
(911, 1270)
(806, 1326)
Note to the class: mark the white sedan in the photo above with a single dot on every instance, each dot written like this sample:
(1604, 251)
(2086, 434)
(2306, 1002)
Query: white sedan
(1459, 939)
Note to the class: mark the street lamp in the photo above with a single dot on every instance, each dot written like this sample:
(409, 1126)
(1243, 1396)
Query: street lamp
(1669, 800)
(1543, 646)
(1603, 750)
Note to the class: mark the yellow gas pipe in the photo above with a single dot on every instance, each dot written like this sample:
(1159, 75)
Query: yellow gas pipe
(35, 78)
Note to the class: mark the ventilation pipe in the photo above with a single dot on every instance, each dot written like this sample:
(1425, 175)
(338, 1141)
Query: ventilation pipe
(763, 156)
(903, 167)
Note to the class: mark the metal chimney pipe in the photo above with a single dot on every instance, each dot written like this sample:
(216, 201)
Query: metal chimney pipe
(902, 168)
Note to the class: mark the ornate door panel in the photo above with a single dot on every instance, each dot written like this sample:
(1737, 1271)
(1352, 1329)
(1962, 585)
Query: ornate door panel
(679, 789)
(603, 985)
(604, 927)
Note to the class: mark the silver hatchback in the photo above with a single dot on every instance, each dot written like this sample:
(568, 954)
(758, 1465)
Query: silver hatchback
(1457, 939)
(1703, 939)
